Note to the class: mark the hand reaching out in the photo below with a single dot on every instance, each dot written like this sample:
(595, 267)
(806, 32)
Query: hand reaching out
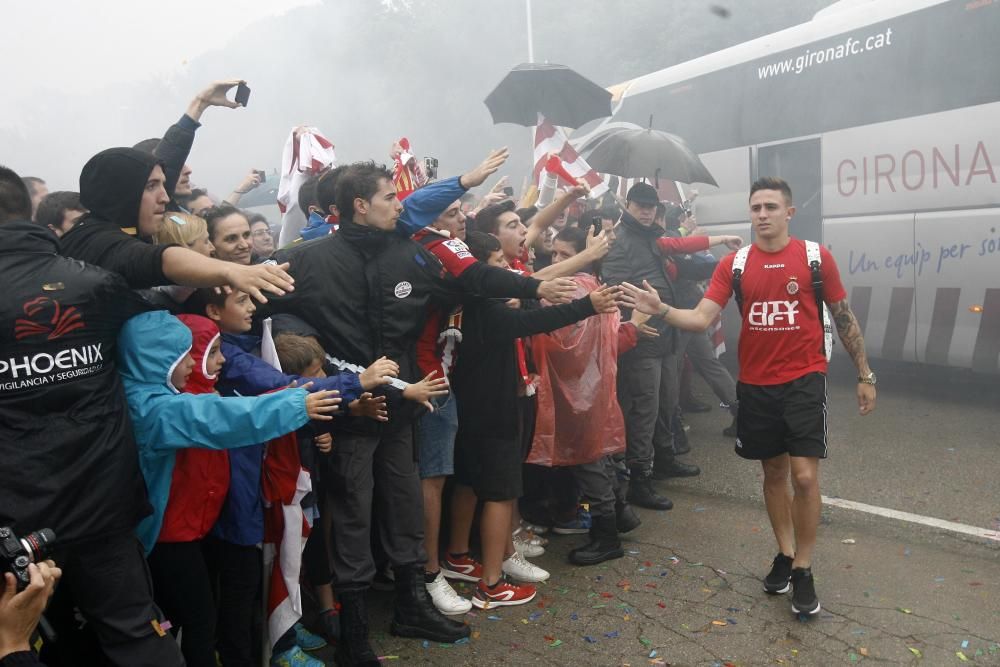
(478, 176)
(557, 290)
(258, 278)
(320, 405)
(379, 373)
(644, 300)
(422, 392)
(606, 299)
(369, 406)
(213, 96)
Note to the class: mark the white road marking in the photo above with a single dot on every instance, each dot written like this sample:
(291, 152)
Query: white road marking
(913, 518)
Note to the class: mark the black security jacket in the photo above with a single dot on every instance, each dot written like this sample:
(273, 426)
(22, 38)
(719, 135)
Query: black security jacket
(69, 461)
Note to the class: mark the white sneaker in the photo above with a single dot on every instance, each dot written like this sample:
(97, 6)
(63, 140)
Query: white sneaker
(527, 544)
(522, 570)
(445, 598)
(534, 527)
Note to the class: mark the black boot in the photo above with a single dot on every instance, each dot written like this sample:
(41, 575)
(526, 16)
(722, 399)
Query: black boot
(416, 616)
(642, 493)
(667, 467)
(626, 519)
(353, 648)
(603, 545)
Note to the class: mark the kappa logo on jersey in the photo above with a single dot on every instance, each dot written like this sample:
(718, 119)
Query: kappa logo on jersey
(47, 318)
(773, 315)
(459, 248)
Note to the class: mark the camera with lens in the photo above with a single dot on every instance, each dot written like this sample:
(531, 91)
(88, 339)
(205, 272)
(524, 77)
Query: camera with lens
(17, 553)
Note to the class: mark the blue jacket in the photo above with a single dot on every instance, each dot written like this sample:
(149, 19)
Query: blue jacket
(425, 204)
(316, 226)
(245, 374)
(150, 346)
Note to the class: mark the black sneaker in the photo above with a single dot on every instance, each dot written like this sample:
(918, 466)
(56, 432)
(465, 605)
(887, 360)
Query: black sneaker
(804, 600)
(777, 579)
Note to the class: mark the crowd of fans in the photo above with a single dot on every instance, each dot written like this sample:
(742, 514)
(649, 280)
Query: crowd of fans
(439, 357)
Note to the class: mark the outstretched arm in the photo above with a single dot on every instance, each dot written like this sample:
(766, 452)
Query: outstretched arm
(850, 335)
(648, 301)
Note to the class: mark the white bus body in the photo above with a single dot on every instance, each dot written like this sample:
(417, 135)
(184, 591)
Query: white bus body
(884, 116)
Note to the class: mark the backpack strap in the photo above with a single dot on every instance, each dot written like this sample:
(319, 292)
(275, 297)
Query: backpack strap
(815, 260)
(739, 263)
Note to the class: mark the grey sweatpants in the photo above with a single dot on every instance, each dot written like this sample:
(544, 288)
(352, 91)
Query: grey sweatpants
(699, 350)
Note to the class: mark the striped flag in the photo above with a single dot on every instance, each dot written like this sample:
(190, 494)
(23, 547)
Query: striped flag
(717, 336)
(551, 139)
(284, 483)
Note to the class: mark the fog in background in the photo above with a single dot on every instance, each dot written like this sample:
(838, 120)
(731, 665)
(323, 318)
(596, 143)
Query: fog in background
(365, 72)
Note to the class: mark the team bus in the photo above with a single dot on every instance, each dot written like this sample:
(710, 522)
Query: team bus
(884, 117)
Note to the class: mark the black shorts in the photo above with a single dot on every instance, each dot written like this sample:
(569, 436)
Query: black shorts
(492, 464)
(778, 419)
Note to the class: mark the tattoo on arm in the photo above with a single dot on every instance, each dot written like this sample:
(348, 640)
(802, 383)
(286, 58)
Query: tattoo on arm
(850, 333)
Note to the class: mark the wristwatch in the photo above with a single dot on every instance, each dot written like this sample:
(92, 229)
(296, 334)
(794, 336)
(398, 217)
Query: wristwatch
(867, 379)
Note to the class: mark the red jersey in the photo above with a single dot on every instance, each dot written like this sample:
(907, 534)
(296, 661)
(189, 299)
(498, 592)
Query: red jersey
(781, 338)
(438, 344)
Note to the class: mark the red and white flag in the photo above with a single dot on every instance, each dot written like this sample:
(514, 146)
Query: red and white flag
(551, 139)
(717, 336)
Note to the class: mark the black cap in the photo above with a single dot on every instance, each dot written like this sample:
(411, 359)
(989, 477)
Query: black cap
(643, 193)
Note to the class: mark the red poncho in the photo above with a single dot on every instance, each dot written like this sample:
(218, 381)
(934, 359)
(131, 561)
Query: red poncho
(579, 419)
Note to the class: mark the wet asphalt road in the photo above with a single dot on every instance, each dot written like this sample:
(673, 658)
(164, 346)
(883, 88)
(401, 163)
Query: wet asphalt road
(688, 591)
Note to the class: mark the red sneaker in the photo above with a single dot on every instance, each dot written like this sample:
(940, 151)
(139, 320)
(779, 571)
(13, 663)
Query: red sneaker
(504, 594)
(462, 567)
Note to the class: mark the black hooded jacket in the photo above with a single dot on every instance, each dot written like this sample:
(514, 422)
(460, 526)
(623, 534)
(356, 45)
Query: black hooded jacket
(111, 188)
(69, 459)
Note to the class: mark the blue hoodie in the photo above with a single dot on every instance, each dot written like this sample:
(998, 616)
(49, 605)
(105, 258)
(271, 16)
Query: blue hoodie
(149, 348)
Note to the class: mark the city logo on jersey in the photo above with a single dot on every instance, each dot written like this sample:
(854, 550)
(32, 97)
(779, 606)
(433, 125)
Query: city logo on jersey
(47, 319)
(773, 315)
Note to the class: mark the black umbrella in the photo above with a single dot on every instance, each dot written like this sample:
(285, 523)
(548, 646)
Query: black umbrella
(638, 153)
(564, 97)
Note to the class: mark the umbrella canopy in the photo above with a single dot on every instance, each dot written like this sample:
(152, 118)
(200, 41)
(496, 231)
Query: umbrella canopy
(564, 97)
(638, 153)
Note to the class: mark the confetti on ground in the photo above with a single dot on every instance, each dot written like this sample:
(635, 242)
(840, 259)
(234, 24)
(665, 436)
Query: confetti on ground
(938, 580)
(848, 541)
(863, 651)
(535, 616)
(854, 657)
(633, 552)
(493, 618)
(961, 656)
(607, 595)
(905, 611)
(915, 651)
(475, 634)
(719, 623)
(598, 606)
(674, 559)
(699, 509)
(557, 642)
(388, 657)
(652, 654)
(463, 640)
(645, 642)
(574, 617)
(426, 644)
(444, 645)
(611, 635)
(661, 605)
(589, 639)
(694, 564)
(965, 643)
